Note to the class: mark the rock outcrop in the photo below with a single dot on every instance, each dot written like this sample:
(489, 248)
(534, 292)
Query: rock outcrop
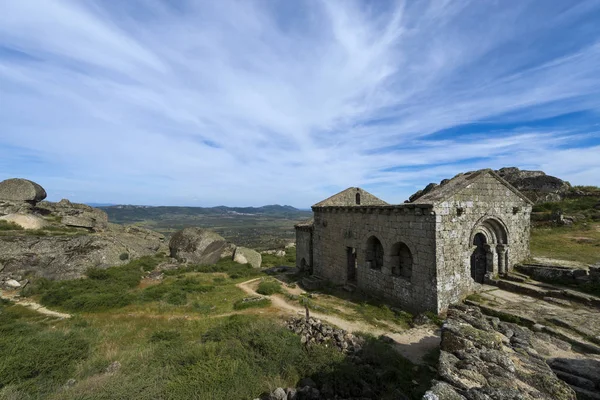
(484, 358)
(197, 246)
(69, 256)
(21, 190)
(244, 255)
(68, 238)
(76, 215)
(536, 185)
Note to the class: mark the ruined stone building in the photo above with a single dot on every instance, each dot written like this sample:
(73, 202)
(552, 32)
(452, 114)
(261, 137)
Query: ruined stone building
(422, 255)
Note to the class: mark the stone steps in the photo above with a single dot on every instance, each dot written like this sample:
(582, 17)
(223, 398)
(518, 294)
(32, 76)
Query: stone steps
(541, 290)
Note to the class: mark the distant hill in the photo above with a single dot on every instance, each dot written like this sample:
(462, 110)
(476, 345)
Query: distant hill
(266, 227)
(133, 213)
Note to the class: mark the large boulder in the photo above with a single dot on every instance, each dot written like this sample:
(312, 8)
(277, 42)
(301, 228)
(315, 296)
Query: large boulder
(197, 246)
(26, 221)
(244, 255)
(21, 190)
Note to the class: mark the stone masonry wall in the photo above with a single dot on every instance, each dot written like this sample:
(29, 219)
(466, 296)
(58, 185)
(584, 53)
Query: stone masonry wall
(337, 228)
(463, 214)
(303, 246)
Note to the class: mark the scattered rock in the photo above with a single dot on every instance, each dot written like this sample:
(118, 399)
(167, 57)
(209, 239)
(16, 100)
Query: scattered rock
(12, 284)
(313, 331)
(278, 394)
(21, 190)
(113, 367)
(197, 245)
(244, 255)
(280, 253)
(26, 221)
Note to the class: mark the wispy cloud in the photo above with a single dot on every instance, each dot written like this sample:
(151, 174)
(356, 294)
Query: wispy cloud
(242, 102)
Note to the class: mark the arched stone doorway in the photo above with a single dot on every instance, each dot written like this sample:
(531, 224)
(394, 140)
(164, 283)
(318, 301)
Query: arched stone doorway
(401, 260)
(374, 256)
(489, 249)
(479, 258)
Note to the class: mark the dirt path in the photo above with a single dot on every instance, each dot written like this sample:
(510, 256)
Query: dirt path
(33, 305)
(413, 344)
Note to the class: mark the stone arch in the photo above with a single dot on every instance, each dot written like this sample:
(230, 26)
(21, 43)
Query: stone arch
(489, 248)
(401, 260)
(493, 228)
(374, 253)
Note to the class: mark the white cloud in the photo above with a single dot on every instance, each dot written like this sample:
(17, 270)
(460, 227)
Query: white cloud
(245, 103)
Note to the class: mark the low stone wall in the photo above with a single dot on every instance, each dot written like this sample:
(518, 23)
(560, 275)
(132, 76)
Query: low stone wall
(554, 273)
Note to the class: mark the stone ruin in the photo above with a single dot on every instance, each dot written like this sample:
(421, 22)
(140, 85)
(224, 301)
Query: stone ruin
(422, 255)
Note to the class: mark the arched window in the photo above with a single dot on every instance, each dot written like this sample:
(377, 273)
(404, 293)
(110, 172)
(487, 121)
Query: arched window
(402, 260)
(358, 198)
(374, 254)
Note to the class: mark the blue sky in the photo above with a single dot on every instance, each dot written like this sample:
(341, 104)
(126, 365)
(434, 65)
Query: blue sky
(261, 102)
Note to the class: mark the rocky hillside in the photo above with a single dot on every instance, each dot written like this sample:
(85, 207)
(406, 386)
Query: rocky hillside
(62, 240)
(483, 357)
(536, 185)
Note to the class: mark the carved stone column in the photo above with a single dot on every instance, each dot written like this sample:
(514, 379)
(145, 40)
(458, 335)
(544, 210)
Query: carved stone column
(492, 264)
(502, 259)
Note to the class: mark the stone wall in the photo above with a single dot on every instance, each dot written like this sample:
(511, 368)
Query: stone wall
(338, 229)
(487, 206)
(304, 247)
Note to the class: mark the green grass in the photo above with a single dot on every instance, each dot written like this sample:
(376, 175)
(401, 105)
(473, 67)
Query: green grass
(34, 357)
(103, 289)
(269, 287)
(566, 243)
(252, 303)
(374, 312)
(9, 226)
(166, 355)
(230, 267)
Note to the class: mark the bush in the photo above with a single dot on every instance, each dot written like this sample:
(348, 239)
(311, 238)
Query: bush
(268, 288)
(104, 289)
(9, 226)
(165, 336)
(33, 358)
(177, 298)
(124, 256)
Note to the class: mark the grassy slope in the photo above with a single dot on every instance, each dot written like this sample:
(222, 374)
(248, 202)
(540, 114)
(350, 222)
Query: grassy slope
(575, 243)
(176, 339)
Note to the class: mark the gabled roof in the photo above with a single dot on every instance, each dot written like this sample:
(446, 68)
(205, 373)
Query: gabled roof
(449, 187)
(347, 198)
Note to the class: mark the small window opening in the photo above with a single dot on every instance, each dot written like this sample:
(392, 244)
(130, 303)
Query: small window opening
(358, 198)
(460, 211)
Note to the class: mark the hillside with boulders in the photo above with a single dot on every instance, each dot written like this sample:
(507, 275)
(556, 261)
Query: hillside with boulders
(62, 240)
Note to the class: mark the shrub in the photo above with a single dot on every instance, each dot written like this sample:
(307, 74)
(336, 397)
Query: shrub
(33, 358)
(268, 288)
(177, 298)
(103, 290)
(9, 226)
(124, 256)
(165, 336)
(201, 308)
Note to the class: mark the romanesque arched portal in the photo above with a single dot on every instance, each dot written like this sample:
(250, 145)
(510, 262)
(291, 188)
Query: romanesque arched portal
(489, 249)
